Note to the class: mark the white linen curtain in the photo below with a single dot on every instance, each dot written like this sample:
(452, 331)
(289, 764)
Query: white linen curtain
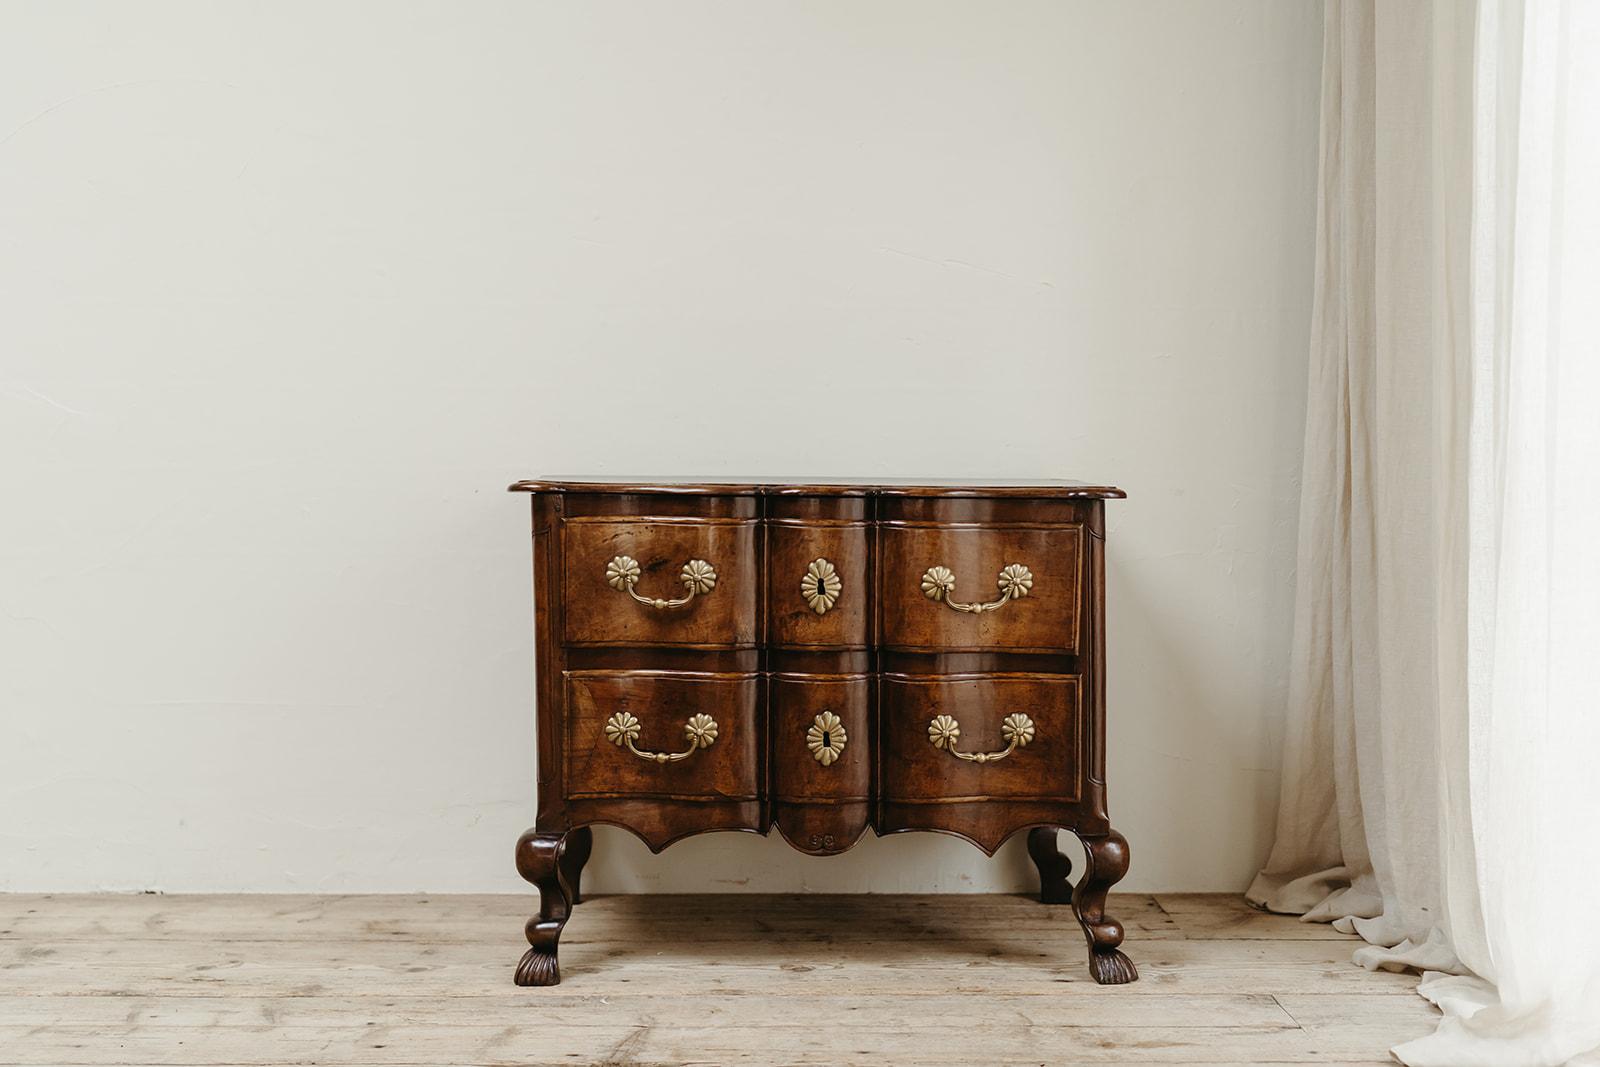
(1441, 787)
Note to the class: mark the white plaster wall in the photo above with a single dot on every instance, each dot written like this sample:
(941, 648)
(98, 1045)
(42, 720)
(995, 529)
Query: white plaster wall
(290, 291)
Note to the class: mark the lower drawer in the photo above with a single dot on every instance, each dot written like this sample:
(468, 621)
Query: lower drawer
(670, 735)
(820, 739)
(821, 760)
(970, 737)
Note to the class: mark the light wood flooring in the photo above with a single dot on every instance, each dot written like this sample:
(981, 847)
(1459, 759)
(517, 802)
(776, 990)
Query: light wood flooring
(948, 980)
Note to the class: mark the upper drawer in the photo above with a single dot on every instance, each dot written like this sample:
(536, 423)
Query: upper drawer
(980, 587)
(660, 581)
(817, 584)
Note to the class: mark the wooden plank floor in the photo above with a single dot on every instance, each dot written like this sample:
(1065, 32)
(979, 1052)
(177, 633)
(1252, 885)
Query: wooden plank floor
(937, 980)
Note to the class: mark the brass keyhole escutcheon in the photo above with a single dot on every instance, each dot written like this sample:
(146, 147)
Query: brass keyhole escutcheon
(821, 585)
(826, 738)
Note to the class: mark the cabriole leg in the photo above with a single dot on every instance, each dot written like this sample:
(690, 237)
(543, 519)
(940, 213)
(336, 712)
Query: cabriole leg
(1054, 867)
(574, 854)
(539, 862)
(1107, 862)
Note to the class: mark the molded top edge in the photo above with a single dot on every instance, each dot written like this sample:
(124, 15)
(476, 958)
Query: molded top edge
(820, 487)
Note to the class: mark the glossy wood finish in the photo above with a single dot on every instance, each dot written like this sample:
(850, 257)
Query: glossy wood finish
(1054, 867)
(662, 701)
(1107, 861)
(1045, 620)
(821, 808)
(723, 617)
(660, 823)
(912, 770)
(792, 546)
(819, 664)
(538, 861)
(574, 854)
(885, 660)
(1040, 489)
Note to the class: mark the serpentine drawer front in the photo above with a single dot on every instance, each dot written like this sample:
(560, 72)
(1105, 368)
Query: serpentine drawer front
(949, 588)
(668, 735)
(985, 736)
(660, 582)
(822, 659)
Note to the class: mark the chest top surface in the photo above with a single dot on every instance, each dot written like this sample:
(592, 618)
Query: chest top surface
(803, 486)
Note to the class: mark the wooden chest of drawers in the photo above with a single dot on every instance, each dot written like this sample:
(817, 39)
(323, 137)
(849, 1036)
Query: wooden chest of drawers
(823, 659)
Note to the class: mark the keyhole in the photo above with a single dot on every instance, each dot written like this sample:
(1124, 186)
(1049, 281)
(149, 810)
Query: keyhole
(827, 739)
(822, 588)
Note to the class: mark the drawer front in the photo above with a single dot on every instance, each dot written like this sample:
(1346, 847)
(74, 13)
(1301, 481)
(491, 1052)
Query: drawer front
(977, 588)
(817, 585)
(1033, 719)
(666, 735)
(821, 749)
(656, 581)
(821, 760)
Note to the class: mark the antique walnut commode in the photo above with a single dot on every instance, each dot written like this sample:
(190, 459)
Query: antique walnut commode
(822, 658)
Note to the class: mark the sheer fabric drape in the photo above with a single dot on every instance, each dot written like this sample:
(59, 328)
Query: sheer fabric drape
(1442, 754)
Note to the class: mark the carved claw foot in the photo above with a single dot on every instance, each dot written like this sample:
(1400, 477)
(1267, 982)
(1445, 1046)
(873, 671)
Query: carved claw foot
(1054, 867)
(1112, 967)
(1107, 862)
(539, 861)
(538, 968)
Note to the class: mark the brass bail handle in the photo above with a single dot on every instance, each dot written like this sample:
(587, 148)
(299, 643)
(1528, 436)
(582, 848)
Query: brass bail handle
(1015, 582)
(1017, 731)
(622, 730)
(698, 578)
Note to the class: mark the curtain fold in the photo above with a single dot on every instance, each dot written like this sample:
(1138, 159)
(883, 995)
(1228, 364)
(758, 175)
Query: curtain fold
(1439, 796)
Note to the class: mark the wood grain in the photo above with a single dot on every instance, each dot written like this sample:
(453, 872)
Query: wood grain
(1046, 620)
(791, 548)
(662, 701)
(818, 487)
(1048, 768)
(597, 614)
(920, 981)
(820, 809)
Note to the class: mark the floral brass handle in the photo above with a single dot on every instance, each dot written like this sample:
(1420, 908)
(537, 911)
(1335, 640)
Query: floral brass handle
(1015, 582)
(1017, 731)
(697, 576)
(622, 730)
